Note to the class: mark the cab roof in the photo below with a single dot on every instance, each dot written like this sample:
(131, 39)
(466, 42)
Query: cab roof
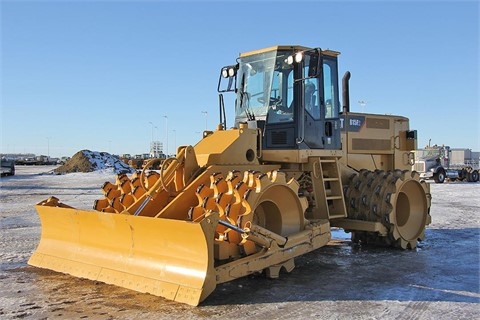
(293, 48)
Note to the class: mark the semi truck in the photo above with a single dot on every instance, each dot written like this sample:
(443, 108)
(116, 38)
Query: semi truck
(435, 162)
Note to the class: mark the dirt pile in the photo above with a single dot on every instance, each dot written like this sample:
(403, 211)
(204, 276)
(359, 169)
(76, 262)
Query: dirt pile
(88, 161)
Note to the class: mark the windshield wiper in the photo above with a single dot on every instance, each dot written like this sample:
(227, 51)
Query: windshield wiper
(245, 101)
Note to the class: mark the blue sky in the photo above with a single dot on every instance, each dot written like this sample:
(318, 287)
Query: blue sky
(97, 74)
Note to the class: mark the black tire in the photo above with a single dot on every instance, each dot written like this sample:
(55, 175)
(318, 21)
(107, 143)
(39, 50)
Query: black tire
(473, 176)
(439, 177)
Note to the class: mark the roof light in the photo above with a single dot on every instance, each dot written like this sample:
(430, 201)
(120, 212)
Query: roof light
(299, 57)
(225, 72)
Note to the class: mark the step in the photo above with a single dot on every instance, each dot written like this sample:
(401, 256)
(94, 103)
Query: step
(328, 161)
(334, 197)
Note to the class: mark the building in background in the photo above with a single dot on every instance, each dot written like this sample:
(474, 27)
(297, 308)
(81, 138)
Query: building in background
(156, 149)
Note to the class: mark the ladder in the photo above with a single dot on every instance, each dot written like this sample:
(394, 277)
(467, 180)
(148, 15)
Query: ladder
(329, 191)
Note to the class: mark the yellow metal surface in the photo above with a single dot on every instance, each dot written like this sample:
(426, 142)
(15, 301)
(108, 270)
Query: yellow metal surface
(272, 259)
(273, 48)
(370, 226)
(235, 147)
(298, 156)
(168, 258)
(287, 47)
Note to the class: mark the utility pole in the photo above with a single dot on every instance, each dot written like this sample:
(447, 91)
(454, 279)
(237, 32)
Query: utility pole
(174, 140)
(48, 147)
(206, 114)
(152, 128)
(166, 135)
(362, 103)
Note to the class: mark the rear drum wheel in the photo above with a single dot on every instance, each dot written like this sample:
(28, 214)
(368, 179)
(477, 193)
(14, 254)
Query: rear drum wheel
(397, 199)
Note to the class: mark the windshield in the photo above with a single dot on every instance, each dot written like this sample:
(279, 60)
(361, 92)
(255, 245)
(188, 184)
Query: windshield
(428, 153)
(266, 83)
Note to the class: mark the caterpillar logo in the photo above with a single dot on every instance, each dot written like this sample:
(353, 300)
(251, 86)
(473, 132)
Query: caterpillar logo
(352, 123)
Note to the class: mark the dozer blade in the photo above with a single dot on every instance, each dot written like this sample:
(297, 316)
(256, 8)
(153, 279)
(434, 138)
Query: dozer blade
(168, 258)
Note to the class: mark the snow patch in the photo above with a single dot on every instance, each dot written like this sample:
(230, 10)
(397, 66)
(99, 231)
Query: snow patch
(88, 161)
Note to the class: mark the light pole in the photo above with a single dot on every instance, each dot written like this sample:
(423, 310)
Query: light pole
(48, 147)
(152, 148)
(206, 114)
(152, 128)
(174, 140)
(166, 135)
(362, 103)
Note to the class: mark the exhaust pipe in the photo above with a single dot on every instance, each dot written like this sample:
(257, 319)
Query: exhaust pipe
(346, 92)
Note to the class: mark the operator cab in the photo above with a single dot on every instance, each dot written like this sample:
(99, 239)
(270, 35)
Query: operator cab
(290, 93)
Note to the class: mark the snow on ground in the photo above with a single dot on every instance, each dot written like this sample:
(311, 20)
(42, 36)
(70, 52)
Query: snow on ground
(438, 280)
(77, 189)
(30, 185)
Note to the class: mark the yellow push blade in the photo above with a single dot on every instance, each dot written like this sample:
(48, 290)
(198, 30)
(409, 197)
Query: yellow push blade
(168, 258)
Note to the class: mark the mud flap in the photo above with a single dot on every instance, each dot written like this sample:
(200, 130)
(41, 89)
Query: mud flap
(164, 257)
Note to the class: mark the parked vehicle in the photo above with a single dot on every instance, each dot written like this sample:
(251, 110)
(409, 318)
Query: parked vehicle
(435, 163)
(7, 167)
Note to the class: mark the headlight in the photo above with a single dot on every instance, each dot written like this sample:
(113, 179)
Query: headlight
(225, 72)
(228, 72)
(299, 57)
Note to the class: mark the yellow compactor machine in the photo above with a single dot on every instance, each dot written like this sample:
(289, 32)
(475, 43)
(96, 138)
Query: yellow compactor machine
(253, 197)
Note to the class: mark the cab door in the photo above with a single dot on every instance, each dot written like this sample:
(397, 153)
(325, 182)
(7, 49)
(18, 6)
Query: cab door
(312, 118)
(321, 106)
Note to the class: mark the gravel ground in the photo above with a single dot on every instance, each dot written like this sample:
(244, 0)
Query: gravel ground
(438, 280)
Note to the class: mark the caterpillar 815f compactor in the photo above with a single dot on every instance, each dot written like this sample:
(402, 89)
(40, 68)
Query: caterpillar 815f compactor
(253, 197)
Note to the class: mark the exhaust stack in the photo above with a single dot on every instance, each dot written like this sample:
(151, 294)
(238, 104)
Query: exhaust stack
(346, 92)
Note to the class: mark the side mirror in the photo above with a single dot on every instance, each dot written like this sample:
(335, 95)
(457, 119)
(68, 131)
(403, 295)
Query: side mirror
(314, 65)
(412, 134)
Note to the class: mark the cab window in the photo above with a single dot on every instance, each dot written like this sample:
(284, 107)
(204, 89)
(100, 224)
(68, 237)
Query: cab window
(311, 92)
(330, 89)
